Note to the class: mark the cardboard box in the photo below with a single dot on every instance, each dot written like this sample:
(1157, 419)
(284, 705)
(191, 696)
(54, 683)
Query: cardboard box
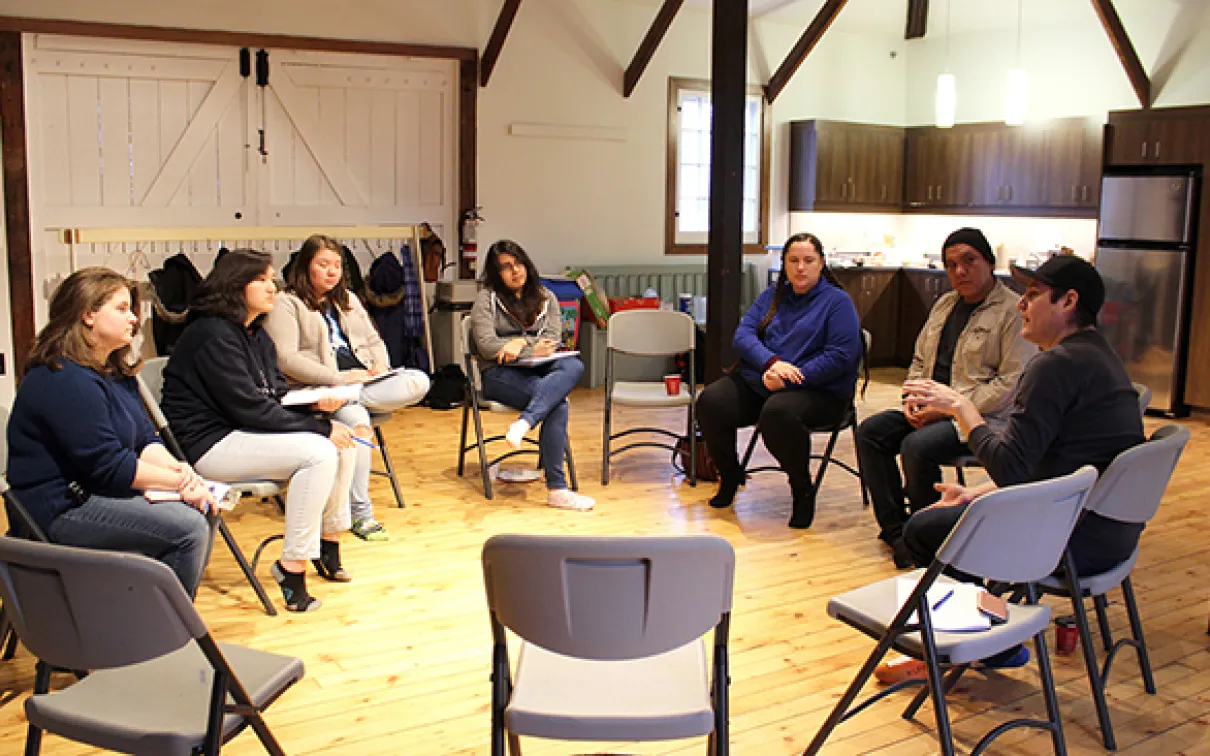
(598, 303)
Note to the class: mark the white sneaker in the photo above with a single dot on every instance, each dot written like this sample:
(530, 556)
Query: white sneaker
(564, 498)
(516, 433)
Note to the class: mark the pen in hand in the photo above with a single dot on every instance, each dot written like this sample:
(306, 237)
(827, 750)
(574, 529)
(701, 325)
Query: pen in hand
(942, 600)
(364, 442)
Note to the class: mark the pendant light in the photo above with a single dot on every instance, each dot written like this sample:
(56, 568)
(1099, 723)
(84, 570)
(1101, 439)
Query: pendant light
(1016, 94)
(945, 102)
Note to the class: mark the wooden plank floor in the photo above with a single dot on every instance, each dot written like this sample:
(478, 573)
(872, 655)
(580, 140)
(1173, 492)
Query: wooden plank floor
(397, 662)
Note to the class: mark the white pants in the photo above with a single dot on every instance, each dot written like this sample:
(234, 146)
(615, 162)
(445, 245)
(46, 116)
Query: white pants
(403, 389)
(319, 475)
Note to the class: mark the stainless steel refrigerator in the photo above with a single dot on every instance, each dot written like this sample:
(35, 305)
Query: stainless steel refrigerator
(1144, 253)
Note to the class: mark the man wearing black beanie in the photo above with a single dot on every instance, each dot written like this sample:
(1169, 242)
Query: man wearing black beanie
(972, 343)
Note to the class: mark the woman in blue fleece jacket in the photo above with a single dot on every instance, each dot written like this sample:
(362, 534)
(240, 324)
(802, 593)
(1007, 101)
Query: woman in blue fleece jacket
(82, 450)
(799, 349)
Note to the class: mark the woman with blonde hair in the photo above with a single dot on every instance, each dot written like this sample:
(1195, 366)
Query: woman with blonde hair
(82, 450)
(324, 337)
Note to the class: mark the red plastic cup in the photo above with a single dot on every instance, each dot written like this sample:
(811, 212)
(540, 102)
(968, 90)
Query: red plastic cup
(1067, 637)
(672, 384)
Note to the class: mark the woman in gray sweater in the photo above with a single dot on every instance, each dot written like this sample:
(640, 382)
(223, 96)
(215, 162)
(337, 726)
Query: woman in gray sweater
(517, 318)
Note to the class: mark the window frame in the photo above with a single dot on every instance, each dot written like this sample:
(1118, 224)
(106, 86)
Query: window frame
(676, 85)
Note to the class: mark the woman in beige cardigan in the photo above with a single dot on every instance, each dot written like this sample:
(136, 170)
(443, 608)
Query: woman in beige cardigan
(324, 338)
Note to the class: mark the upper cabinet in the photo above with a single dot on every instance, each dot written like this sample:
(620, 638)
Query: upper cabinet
(935, 161)
(1169, 136)
(845, 166)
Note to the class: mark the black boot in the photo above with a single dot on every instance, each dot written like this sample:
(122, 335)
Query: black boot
(727, 486)
(804, 507)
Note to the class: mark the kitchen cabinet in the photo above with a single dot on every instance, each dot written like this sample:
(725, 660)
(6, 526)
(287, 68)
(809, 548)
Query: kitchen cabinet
(936, 161)
(1073, 163)
(845, 166)
(1167, 136)
(919, 290)
(875, 295)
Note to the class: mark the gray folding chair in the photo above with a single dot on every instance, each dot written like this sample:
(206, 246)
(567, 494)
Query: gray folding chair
(1130, 490)
(472, 408)
(612, 637)
(160, 683)
(961, 463)
(379, 418)
(648, 333)
(1012, 535)
(848, 422)
(151, 387)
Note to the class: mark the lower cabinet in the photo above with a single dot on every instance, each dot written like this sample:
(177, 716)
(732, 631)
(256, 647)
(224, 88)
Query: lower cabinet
(875, 294)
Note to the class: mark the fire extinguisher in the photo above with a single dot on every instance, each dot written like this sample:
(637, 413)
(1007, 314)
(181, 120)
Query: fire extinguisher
(469, 245)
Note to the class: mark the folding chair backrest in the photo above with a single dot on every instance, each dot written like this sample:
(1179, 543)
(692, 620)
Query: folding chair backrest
(4, 413)
(1018, 534)
(650, 333)
(1144, 396)
(471, 354)
(91, 609)
(609, 597)
(1132, 486)
(152, 376)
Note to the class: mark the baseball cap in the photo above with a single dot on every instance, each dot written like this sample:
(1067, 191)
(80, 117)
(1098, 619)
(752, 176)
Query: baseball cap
(1068, 273)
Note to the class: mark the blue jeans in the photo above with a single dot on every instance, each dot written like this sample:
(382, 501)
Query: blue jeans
(171, 531)
(541, 395)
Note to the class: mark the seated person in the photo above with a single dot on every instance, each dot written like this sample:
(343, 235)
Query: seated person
(324, 337)
(516, 317)
(971, 342)
(81, 447)
(799, 349)
(222, 394)
(1075, 406)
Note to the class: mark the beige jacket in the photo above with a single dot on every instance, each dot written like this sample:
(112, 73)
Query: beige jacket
(990, 352)
(304, 351)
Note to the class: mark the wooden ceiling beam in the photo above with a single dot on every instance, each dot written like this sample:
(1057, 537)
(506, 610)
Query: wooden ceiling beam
(823, 19)
(496, 42)
(650, 43)
(1125, 50)
(917, 19)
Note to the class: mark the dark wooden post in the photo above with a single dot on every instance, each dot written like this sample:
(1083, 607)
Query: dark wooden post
(725, 244)
(16, 199)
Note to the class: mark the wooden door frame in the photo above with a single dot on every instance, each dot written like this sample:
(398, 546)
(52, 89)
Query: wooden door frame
(15, 157)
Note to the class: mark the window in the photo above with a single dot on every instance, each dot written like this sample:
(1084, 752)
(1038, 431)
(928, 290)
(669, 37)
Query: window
(687, 216)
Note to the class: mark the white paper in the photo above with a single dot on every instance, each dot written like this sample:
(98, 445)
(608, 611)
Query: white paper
(219, 490)
(960, 612)
(350, 392)
(536, 361)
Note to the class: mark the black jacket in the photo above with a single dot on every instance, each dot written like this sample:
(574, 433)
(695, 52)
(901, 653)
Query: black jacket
(223, 377)
(175, 285)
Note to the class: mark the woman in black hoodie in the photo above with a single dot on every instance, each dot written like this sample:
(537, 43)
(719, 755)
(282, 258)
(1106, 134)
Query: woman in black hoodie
(222, 395)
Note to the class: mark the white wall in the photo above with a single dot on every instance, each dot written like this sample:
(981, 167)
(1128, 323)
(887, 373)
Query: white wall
(1073, 70)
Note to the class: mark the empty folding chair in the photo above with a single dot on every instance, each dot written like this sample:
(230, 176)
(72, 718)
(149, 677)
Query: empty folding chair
(1130, 490)
(648, 333)
(1011, 535)
(612, 637)
(159, 682)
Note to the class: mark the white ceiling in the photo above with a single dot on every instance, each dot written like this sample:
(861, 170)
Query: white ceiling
(888, 17)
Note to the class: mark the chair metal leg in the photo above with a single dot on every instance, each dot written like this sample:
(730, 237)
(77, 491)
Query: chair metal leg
(1095, 682)
(1101, 606)
(500, 693)
(692, 436)
(249, 573)
(961, 475)
(751, 448)
(571, 469)
(721, 737)
(214, 721)
(10, 643)
(466, 411)
(608, 422)
(951, 679)
(483, 470)
(514, 744)
(33, 737)
(1136, 627)
(865, 492)
(1048, 686)
(386, 460)
(937, 690)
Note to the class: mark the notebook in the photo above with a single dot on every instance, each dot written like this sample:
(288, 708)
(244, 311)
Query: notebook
(536, 361)
(350, 392)
(957, 614)
(219, 490)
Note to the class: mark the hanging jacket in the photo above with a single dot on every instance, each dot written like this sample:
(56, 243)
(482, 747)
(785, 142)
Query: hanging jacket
(395, 302)
(173, 286)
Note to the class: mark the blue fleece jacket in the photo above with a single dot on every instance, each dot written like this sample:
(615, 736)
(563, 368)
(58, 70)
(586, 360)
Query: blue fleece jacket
(818, 332)
(74, 425)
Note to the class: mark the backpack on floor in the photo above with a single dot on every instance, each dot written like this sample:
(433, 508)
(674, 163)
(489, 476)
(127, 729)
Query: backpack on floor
(447, 388)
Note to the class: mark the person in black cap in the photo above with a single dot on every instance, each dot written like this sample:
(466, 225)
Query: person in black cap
(970, 342)
(1075, 406)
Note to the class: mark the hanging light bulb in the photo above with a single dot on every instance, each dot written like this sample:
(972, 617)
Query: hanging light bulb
(1016, 94)
(945, 102)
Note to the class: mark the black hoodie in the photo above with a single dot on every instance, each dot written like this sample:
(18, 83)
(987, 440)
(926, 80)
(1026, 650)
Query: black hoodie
(223, 377)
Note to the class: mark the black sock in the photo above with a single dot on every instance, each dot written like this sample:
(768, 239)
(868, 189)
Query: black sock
(293, 584)
(329, 554)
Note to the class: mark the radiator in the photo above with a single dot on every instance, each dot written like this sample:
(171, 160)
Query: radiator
(668, 281)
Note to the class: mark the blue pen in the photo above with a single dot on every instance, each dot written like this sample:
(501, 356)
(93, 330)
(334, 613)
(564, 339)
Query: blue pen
(943, 599)
(373, 445)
